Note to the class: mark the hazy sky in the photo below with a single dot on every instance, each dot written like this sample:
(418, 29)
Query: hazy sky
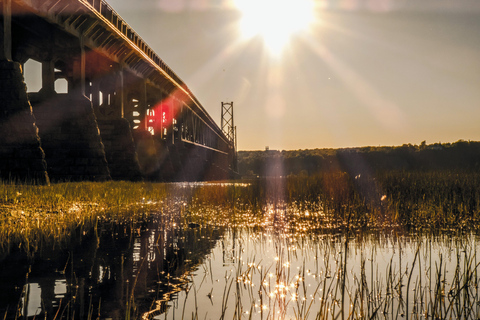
(363, 73)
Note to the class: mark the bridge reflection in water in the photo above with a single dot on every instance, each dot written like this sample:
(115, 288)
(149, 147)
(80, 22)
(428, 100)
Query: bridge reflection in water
(121, 270)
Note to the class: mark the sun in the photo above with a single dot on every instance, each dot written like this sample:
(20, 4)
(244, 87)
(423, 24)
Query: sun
(276, 21)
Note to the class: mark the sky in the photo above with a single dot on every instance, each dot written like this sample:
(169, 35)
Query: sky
(347, 73)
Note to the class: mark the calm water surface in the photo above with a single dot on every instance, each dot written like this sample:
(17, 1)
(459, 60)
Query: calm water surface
(163, 269)
(259, 275)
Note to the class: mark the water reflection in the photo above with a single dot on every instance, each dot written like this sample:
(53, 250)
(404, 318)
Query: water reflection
(165, 268)
(337, 276)
(120, 270)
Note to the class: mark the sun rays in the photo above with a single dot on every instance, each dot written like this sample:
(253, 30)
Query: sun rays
(275, 21)
(287, 30)
(276, 64)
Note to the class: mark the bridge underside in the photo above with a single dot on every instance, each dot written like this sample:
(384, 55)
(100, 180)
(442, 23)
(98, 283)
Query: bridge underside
(122, 114)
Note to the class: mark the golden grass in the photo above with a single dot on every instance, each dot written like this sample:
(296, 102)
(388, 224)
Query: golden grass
(32, 216)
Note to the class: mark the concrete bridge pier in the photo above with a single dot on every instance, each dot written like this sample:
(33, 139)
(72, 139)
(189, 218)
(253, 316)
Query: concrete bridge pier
(108, 99)
(23, 159)
(164, 167)
(137, 103)
(195, 162)
(67, 123)
(167, 170)
(216, 169)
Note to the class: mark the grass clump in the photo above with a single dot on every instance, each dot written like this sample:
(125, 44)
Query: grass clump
(33, 216)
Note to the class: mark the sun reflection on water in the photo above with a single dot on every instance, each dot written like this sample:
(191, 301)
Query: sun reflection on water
(222, 258)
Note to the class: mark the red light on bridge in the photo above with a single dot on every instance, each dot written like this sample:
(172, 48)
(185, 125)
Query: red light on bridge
(162, 116)
(166, 117)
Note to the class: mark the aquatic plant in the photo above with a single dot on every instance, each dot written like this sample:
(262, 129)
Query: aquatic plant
(32, 216)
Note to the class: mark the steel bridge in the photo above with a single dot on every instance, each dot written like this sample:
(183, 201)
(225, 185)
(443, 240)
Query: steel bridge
(123, 113)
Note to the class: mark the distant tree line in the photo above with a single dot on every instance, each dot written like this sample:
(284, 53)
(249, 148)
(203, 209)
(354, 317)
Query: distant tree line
(459, 156)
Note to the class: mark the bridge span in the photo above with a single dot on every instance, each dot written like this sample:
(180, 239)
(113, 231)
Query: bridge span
(123, 113)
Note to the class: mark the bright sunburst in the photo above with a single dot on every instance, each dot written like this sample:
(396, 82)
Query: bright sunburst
(274, 20)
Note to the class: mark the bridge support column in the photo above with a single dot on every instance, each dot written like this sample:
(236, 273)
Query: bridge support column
(147, 147)
(120, 97)
(68, 127)
(22, 157)
(120, 149)
(143, 105)
(71, 140)
(48, 80)
(166, 171)
(117, 135)
(147, 152)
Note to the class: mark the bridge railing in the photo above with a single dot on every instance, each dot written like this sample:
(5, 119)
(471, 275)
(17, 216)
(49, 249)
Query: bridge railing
(116, 20)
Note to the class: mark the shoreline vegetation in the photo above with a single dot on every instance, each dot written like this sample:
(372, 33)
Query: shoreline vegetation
(32, 217)
(458, 156)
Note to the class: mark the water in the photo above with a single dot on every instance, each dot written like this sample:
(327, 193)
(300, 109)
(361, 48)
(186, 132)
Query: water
(119, 270)
(215, 273)
(169, 268)
(286, 277)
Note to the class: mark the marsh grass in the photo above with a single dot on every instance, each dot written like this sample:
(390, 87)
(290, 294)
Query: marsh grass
(334, 205)
(422, 205)
(33, 216)
(430, 201)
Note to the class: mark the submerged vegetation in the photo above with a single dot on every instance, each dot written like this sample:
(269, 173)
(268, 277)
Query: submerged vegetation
(336, 276)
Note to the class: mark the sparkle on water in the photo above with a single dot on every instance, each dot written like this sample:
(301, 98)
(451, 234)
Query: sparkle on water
(241, 251)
